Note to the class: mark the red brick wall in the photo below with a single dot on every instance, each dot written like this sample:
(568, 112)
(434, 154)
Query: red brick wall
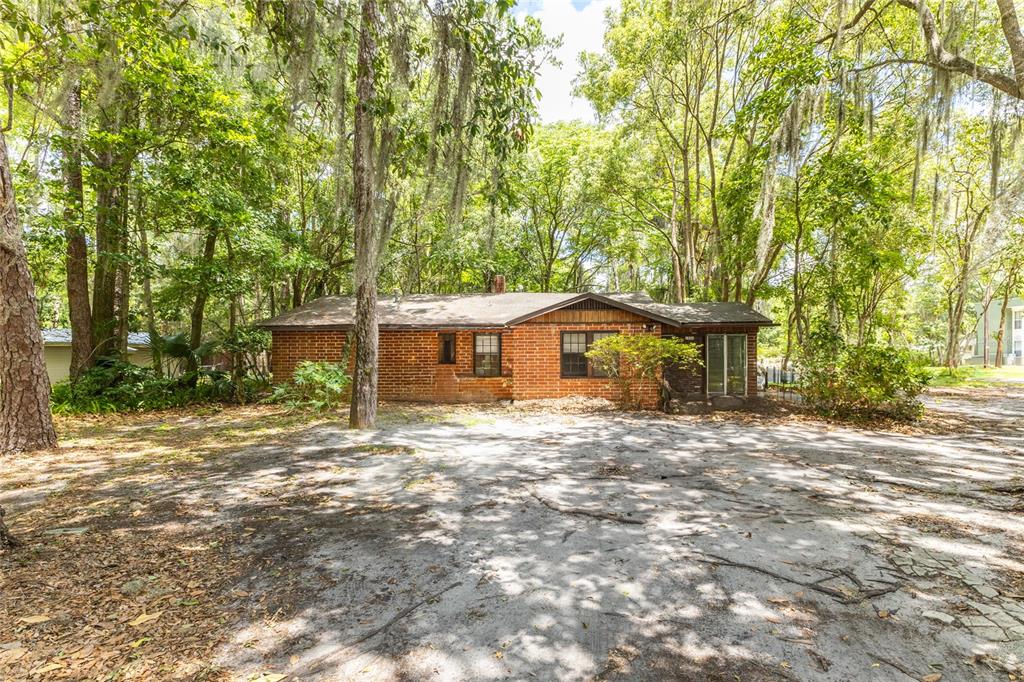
(538, 363)
(289, 348)
(531, 360)
(409, 369)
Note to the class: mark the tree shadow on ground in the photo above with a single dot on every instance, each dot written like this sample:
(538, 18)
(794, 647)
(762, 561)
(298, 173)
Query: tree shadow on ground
(480, 545)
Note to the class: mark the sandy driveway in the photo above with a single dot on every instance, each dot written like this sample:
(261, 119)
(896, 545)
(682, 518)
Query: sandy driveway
(504, 544)
(495, 545)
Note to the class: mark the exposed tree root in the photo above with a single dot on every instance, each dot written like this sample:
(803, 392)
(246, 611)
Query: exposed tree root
(895, 666)
(838, 595)
(319, 664)
(604, 516)
(6, 539)
(983, 495)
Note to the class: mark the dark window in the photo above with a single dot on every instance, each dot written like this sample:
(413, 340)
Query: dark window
(487, 355)
(574, 359)
(446, 349)
(574, 362)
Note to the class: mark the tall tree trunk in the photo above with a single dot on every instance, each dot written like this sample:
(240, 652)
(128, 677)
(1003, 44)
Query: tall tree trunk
(108, 243)
(1009, 284)
(690, 260)
(195, 338)
(673, 238)
(124, 285)
(363, 409)
(234, 312)
(155, 341)
(110, 179)
(25, 421)
(77, 256)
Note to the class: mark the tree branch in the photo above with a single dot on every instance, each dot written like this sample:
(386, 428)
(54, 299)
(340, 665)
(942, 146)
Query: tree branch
(851, 23)
(940, 57)
(1014, 38)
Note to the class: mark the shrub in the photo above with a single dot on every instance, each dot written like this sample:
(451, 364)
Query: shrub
(314, 385)
(118, 386)
(631, 358)
(248, 344)
(868, 381)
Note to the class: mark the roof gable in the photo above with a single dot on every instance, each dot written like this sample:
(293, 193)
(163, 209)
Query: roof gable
(619, 301)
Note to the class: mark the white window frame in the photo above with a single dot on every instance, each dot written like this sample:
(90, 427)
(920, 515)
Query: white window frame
(1016, 314)
(725, 364)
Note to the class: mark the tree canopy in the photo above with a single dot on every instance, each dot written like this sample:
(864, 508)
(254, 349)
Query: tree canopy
(197, 166)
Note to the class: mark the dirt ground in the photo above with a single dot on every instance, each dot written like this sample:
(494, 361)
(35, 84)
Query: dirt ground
(548, 542)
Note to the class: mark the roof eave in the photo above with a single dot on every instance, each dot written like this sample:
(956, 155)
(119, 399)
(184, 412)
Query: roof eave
(347, 327)
(731, 323)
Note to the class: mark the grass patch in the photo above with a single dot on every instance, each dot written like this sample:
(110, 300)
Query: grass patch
(970, 376)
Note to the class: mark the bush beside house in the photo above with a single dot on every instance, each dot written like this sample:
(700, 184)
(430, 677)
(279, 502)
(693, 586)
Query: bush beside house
(866, 381)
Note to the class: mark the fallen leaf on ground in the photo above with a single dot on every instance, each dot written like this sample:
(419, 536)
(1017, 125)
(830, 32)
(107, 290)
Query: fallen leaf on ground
(934, 677)
(46, 668)
(145, 618)
(32, 620)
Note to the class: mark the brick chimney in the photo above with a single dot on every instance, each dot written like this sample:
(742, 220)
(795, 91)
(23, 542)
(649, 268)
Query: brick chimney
(498, 284)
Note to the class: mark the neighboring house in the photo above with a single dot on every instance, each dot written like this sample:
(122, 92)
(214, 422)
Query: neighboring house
(57, 352)
(987, 328)
(514, 346)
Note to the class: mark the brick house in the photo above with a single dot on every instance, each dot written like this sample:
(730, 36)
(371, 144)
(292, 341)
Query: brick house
(517, 346)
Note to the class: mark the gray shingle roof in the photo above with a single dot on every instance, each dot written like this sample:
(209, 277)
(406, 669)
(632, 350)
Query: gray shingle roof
(499, 310)
(62, 337)
(709, 313)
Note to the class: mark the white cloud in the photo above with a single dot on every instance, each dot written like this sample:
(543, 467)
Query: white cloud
(582, 30)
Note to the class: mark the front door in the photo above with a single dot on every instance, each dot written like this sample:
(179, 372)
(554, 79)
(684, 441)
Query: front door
(726, 362)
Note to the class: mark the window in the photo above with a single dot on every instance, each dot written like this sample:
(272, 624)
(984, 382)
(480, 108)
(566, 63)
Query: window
(574, 362)
(574, 359)
(1016, 336)
(487, 355)
(446, 349)
(726, 364)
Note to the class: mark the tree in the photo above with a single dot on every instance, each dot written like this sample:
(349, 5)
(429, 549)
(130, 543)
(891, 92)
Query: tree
(418, 116)
(25, 422)
(636, 358)
(373, 220)
(77, 259)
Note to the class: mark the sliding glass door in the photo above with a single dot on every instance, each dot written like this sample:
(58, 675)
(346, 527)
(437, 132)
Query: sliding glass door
(726, 364)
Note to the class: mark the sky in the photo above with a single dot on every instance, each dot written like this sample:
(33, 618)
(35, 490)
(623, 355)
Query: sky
(581, 25)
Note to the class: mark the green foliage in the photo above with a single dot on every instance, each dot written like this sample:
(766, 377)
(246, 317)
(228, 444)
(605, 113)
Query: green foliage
(116, 386)
(249, 343)
(893, 184)
(632, 358)
(314, 386)
(866, 381)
